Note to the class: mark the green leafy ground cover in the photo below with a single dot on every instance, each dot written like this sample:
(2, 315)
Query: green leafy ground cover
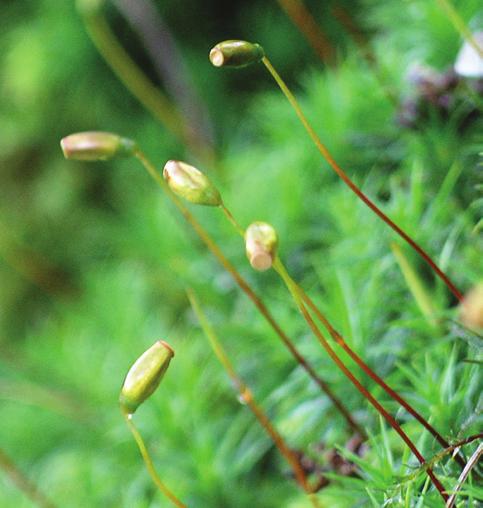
(122, 257)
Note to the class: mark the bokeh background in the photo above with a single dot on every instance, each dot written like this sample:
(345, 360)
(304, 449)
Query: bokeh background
(94, 262)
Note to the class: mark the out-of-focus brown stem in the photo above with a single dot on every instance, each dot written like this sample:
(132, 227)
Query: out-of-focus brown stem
(346, 20)
(168, 61)
(305, 22)
(247, 396)
(139, 85)
(244, 286)
(23, 483)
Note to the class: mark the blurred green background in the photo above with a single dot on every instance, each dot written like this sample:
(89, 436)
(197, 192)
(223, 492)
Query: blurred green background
(94, 262)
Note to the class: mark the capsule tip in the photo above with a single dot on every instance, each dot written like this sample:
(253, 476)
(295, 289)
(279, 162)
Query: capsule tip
(216, 57)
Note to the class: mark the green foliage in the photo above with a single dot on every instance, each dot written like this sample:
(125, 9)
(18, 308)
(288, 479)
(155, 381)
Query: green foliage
(117, 258)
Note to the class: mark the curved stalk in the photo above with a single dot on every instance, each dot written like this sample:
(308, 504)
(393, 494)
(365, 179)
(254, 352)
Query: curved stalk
(244, 286)
(139, 85)
(345, 178)
(149, 462)
(353, 355)
(360, 362)
(344, 17)
(247, 396)
(294, 291)
(305, 22)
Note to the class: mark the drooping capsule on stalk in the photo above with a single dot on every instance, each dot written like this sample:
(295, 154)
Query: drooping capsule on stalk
(261, 245)
(191, 184)
(145, 375)
(96, 146)
(235, 53)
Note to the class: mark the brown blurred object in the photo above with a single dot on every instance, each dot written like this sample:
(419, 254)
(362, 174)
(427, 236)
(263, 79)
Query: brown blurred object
(305, 22)
(471, 310)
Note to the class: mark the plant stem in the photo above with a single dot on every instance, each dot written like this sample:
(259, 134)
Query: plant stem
(149, 463)
(23, 483)
(360, 362)
(247, 396)
(464, 475)
(352, 354)
(135, 81)
(460, 25)
(436, 458)
(347, 21)
(232, 220)
(328, 157)
(294, 291)
(244, 286)
(305, 22)
(169, 64)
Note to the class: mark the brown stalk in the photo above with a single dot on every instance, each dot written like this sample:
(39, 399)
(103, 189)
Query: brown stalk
(247, 396)
(360, 362)
(294, 291)
(345, 178)
(215, 250)
(23, 483)
(305, 22)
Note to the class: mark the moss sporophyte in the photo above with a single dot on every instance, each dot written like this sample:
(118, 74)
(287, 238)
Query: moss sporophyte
(96, 146)
(140, 383)
(242, 51)
(261, 245)
(191, 184)
(145, 375)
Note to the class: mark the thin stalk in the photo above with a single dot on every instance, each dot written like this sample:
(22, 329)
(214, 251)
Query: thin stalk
(474, 459)
(328, 157)
(244, 286)
(134, 79)
(294, 291)
(352, 354)
(305, 22)
(246, 394)
(149, 462)
(169, 64)
(23, 483)
(344, 17)
(440, 455)
(460, 25)
(360, 362)
(232, 220)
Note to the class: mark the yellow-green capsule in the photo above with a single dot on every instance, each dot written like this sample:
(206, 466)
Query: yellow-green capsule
(191, 184)
(96, 146)
(145, 375)
(236, 54)
(261, 245)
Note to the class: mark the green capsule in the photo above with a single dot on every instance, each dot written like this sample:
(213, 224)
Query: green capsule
(261, 245)
(191, 184)
(145, 375)
(236, 54)
(96, 146)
